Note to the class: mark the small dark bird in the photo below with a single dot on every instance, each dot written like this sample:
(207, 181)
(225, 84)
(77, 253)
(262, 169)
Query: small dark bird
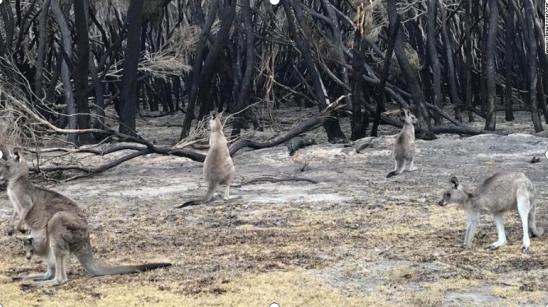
(535, 160)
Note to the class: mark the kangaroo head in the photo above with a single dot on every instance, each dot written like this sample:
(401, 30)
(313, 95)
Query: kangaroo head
(215, 124)
(28, 247)
(455, 194)
(12, 167)
(403, 114)
(408, 117)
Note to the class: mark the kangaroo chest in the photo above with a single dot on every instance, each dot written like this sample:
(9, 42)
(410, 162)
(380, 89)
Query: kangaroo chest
(15, 201)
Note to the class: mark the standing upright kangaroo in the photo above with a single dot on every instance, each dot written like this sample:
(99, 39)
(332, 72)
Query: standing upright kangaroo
(218, 165)
(58, 227)
(404, 147)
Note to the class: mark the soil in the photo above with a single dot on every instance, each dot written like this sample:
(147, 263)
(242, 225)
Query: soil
(355, 238)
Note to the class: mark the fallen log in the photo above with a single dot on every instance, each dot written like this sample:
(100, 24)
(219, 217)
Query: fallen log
(307, 125)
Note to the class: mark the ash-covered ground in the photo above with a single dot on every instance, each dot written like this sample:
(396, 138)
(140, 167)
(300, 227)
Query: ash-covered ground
(354, 238)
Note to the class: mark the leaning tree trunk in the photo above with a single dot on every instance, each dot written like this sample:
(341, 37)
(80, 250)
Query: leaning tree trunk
(490, 53)
(66, 42)
(197, 66)
(424, 124)
(211, 62)
(532, 63)
(451, 76)
(338, 44)
(128, 94)
(381, 100)
(245, 87)
(331, 126)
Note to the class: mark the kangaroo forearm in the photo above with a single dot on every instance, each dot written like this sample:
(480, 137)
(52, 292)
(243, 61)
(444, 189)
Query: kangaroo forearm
(21, 219)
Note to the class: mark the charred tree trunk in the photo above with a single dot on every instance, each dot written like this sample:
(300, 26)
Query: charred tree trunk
(543, 68)
(509, 62)
(197, 66)
(299, 36)
(9, 26)
(532, 63)
(490, 54)
(424, 124)
(81, 8)
(211, 64)
(201, 91)
(41, 53)
(66, 42)
(128, 94)
(468, 55)
(360, 119)
(541, 98)
(243, 94)
(433, 55)
(381, 100)
(337, 38)
(451, 75)
(99, 120)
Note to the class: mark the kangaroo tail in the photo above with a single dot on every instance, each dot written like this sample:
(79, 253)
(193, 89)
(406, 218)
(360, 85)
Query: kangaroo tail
(538, 231)
(85, 256)
(533, 228)
(100, 270)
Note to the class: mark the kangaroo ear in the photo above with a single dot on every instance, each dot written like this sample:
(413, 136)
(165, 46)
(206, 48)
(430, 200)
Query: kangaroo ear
(454, 181)
(18, 156)
(408, 112)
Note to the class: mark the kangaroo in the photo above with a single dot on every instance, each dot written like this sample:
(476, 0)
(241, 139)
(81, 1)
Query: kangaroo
(404, 148)
(57, 225)
(39, 244)
(497, 194)
(218, 165)
(28, 247)
(35, 244)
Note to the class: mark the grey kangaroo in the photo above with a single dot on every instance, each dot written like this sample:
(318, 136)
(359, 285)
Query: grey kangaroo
(58, 227)
(404, 147)
(218, 165)
(497, 194)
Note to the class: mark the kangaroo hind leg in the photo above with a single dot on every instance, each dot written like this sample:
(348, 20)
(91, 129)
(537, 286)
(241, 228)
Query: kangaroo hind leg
(400, 167)
(524, 206)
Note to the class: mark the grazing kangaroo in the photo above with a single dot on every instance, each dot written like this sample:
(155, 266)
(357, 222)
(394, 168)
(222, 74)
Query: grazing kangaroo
(404, 147)
(57, 225)
(497, 194)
